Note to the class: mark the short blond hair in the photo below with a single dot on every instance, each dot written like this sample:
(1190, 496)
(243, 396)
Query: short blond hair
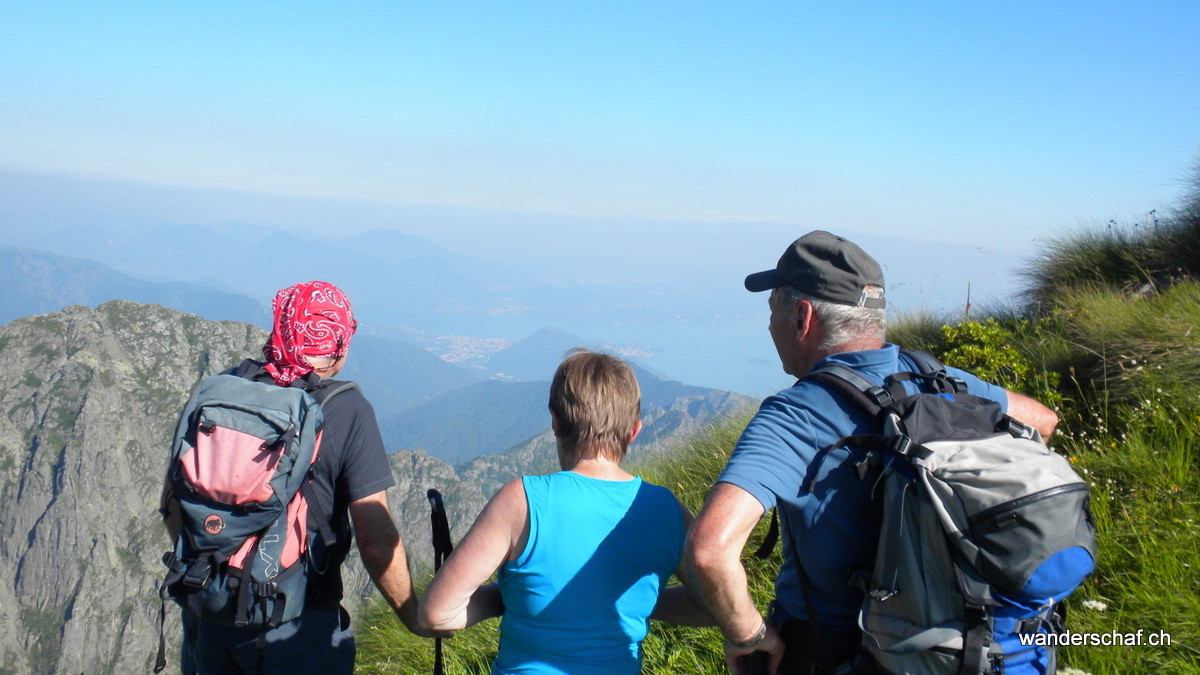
(595, 400)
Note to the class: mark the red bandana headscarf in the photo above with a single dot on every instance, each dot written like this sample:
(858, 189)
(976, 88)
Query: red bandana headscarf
(312, 319)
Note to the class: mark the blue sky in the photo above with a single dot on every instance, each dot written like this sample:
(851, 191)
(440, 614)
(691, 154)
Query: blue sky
(950, 117)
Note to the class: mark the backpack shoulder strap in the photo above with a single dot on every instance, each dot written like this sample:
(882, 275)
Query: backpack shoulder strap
(327, 389)
(926, 363)
(844, 380)
(864, 394)
(251, 370)
(931, 371)
(322, 392)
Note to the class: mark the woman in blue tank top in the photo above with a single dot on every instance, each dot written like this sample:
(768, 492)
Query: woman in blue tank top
(583, 555)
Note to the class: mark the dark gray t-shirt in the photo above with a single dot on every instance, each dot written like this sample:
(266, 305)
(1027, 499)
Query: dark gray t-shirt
(351, 464)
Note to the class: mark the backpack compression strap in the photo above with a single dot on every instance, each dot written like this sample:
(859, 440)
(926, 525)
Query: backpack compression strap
(932, 371)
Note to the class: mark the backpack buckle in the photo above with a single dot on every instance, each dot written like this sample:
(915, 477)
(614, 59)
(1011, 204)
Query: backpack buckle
(863, 466)
(266, 589)
(199, 575)
(945, 383)
(901, 445)
(884, 594)
(880, 396)
(1016, 428)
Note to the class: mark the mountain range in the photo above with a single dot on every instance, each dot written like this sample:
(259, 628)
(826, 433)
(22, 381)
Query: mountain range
(36, 282)
(411, 289)
(454, 411)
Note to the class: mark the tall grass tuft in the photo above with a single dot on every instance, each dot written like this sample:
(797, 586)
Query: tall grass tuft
(1141, 258)
(1133, 347)
(1118, 258)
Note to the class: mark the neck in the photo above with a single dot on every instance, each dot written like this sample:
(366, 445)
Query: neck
(599, 467)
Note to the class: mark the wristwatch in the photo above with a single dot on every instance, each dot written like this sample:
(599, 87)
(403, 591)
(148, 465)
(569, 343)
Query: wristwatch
(754, 640)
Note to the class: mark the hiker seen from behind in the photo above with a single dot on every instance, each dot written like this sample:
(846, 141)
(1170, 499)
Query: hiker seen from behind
(584, 554)
(915, 500)
(276, 469)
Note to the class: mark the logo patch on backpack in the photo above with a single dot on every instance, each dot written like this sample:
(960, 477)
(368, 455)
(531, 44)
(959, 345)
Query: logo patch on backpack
(213, 524)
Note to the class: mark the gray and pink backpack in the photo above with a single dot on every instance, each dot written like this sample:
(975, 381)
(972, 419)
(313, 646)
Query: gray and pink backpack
(241, 468)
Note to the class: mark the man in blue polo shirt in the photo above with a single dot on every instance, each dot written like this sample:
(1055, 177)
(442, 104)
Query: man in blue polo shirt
(827, 305)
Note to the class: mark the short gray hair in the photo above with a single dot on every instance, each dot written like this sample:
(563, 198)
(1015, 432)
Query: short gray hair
(843, 324)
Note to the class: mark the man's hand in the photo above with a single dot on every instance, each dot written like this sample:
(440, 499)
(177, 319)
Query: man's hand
(771, 643)
(1030, 411)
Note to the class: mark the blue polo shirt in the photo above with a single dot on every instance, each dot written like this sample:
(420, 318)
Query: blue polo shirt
(831, 530)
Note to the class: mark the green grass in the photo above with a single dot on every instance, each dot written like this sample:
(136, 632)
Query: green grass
(1146, 502)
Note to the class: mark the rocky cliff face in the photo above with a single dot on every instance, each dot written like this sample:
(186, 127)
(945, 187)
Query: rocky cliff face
(86, 414)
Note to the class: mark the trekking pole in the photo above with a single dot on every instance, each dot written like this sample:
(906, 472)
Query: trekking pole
(442, 546)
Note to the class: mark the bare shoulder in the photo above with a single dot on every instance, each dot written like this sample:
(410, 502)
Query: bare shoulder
(512, 494)
(508, 505)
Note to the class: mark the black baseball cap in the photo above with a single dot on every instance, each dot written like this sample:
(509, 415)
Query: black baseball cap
(826, 267)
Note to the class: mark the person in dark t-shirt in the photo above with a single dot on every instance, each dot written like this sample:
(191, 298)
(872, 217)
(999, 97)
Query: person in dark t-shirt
(310, 337)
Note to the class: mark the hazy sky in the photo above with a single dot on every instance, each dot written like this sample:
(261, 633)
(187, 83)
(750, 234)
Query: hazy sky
(950, 120)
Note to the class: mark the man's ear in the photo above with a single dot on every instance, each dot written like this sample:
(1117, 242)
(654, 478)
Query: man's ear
(553, 421)
(637, 429)
(805, 317)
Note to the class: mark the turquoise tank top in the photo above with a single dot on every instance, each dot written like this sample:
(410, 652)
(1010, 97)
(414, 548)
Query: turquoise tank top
(578, 598)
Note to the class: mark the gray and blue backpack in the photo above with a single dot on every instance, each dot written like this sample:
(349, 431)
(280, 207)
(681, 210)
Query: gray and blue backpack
(984, 530)
(241, 469)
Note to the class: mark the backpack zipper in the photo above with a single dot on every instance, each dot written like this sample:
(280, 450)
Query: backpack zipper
(1020, 502)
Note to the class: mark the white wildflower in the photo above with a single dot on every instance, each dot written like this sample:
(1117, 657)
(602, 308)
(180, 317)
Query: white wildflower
(1098, 605)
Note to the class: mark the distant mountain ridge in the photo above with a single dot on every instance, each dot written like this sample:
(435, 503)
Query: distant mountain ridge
(258, 261)
(498, 416)
(36, 282)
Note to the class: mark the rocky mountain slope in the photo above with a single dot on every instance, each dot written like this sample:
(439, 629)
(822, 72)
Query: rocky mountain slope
(86, 416)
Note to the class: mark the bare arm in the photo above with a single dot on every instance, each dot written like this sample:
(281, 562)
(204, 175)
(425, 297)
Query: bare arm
(677, 604)
(712, 559)
(384, 557)
(457, 598)
(1029, 411)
